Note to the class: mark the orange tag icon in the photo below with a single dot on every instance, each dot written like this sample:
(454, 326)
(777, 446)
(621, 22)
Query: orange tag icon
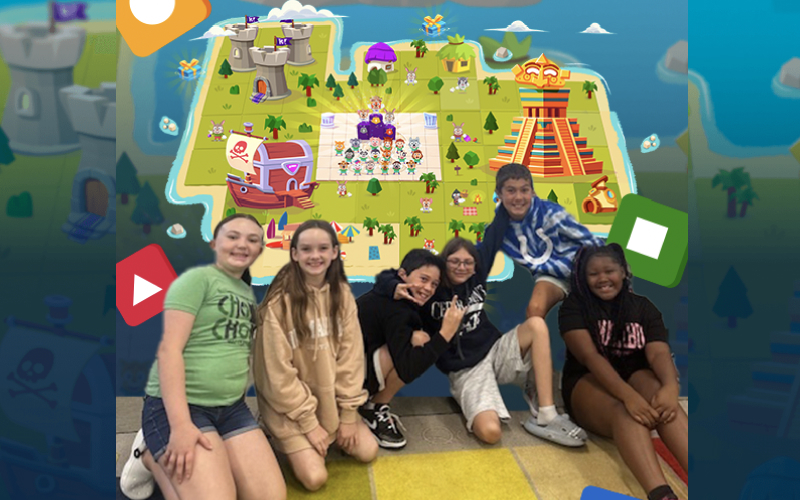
(148, 25)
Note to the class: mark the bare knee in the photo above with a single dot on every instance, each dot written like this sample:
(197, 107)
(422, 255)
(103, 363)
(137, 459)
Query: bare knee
(536, 309)
(623, 422)
(366, 451)
(385, 360)
(313, 479)
(645, 383)
(487, 428)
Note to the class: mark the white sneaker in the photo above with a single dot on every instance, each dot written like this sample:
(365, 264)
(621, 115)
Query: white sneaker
(136, 481)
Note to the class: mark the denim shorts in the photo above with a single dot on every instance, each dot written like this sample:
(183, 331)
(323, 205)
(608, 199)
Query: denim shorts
(227, 421)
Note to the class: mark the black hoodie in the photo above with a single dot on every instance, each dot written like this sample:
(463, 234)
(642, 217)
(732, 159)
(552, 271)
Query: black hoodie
(477, 334)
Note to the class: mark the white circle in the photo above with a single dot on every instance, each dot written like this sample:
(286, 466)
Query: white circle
(152, 11)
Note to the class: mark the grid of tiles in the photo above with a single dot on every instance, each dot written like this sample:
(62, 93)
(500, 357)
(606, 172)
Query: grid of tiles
(409, 125)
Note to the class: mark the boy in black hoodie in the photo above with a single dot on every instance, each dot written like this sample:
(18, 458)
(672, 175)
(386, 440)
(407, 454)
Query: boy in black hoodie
(397, 348)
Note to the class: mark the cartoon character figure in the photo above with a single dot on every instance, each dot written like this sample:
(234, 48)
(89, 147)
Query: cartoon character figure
(462, 84)
(459, 197)
(339, 147)
(342, 188)
(355, 143)
(428, 245)
(370, 167)
(458, 132)
(374, 143)
(375, 154)
(363, 115)
(375, 103)
(477, 200)
(384, 166)
(396, 166)
(401, 155)
(343, 167)
(414, 143)
(357, 165)
(363, 154)
(389, 118)
(399, 144)
(387, 154)
(426, 204)
(387, 146)
(349, 155)
(411, 77)
(417, 156)
(217, 131)
(411, 166)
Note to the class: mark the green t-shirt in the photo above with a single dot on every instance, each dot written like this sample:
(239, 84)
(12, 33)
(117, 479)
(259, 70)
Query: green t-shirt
(217, 352)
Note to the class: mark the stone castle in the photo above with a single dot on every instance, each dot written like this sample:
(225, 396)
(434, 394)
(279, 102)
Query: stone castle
(240, 58)
(300, 50)
(270, 79)
(41, 64)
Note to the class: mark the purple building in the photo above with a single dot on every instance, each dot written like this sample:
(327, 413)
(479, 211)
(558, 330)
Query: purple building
(380, 56)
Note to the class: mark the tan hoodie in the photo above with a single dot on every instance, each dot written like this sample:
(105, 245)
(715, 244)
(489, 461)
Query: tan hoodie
(317, 382)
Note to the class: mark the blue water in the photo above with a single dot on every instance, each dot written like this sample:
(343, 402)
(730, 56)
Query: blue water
(627, 59)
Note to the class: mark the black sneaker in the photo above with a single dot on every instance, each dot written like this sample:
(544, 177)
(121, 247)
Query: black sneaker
(383, 424)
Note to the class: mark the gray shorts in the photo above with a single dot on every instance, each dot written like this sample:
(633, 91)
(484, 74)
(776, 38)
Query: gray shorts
(477, 389)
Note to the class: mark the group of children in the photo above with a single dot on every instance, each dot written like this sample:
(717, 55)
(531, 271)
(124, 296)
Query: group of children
(326, 365)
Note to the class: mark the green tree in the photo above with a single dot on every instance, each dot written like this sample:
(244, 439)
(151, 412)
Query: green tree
(435, 84)
(417, 228)
(731, 182)
(6, 155)
(390, 234)
(732, 300)
(374, 186)
(434, 184)
(471, 159)
(552, 196)
(490, 80)
(127, 180)
(411, 222)
(338, 93)
(589, 87)
(745, 196)
(478, 228)
(385, 228)
(330, 82)
(491, 123)
(274, 124)
(225, 69)
(418, 44)
(452, 153)
(371, 224)
(495, 87)
(456, 226)
(147, 212)
(382, 77)
(306, 81)
(352, 81)
(423, 50)
(430, 176)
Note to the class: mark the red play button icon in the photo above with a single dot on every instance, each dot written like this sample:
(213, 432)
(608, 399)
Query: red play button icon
(142, 281)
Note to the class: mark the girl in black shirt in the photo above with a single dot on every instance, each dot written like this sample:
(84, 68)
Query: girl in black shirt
(619, 378)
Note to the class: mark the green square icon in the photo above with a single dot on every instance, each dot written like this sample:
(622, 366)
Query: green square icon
(655, 239)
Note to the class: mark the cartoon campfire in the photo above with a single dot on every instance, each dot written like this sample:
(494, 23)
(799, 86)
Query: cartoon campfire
(275, 175)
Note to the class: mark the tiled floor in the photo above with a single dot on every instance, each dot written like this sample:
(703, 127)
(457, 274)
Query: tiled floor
(409, 125)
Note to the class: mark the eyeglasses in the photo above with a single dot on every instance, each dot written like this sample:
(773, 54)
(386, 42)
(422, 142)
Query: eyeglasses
(458, 263)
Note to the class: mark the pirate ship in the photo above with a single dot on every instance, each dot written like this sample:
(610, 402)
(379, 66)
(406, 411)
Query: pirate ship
(59, 386)
(276, 175)
(545, 140)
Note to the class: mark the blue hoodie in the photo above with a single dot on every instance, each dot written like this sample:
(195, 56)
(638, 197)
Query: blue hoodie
(547, 239)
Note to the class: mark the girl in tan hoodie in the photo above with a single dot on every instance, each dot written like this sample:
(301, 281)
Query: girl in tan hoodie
(308, 362)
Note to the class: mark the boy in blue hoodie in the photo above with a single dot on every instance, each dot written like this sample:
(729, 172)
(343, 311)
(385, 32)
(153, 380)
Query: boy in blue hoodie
(541, 236)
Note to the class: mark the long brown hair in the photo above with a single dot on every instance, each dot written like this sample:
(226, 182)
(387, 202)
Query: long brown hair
(290, 281)
(246, 277)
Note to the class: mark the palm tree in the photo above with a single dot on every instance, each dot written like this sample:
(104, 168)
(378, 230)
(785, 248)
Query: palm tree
(371, 224)
(307, 81)
(411, 222)
(478, 228)
(274, 123)
(390, 234)
(589, 87)
(423, 50)
(434, 185)
(495, 87)
(731, 182)
(417, 44)
(417, 228)
(456, 226)
(385, 228)
(428, 178)
(490, 80)
(746, 195)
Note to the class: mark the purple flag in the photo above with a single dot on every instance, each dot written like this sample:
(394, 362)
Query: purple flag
(68, 11)
(252, 19)
(282, 42)
(287, 20)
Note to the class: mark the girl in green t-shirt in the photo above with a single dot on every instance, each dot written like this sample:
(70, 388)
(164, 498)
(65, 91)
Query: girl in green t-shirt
(199, 439)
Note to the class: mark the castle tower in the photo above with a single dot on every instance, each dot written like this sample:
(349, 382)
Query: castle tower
(93, 113)
(270, 80)
(41, 64)
(241, 43)
(545, 140)
(300, 50)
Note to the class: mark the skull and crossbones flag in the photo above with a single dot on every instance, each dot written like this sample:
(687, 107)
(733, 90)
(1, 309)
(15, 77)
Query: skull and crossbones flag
(39, 372)
(240, 150)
